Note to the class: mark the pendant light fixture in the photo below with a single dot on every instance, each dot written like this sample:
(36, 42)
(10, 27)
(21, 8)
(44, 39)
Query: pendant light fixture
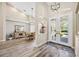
(55, 6)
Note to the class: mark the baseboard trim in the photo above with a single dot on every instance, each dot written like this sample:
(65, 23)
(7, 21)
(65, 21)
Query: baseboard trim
(2, 40)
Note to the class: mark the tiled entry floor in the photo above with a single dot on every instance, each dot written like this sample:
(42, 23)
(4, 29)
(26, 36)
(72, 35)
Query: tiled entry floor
(25, 48)
(61, 50)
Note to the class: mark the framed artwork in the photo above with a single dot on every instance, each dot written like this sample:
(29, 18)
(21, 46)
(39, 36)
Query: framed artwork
(41, 28)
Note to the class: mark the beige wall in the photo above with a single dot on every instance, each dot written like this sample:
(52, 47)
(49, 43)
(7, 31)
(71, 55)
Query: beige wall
(74, 28)
(76, 43)
(77, 23)
(1, 23)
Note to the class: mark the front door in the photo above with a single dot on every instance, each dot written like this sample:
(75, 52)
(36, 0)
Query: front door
(60, 30)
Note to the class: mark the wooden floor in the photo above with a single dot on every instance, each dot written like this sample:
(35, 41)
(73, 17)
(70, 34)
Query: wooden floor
(23, 48)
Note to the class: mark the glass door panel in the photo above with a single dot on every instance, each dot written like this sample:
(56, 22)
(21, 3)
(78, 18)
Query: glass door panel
(64, 29)
(53, 29)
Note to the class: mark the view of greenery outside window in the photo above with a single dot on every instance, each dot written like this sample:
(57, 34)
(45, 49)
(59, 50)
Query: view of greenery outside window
(64, 28)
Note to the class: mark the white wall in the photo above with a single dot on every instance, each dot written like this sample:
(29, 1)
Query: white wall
(10, 26)
(41, 17)
(32, 27)
(2, 21)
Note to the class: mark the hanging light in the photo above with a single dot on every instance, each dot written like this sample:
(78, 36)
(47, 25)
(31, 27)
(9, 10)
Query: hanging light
(55, 6)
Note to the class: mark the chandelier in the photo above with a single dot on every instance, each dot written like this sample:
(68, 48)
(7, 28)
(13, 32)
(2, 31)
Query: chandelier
(55, 6)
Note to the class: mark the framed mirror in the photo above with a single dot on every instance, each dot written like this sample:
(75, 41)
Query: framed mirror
(19, 28)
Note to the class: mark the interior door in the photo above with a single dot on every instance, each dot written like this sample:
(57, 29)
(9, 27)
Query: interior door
(61, 30)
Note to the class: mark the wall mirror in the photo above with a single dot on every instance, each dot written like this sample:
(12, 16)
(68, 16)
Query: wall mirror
(19, 28)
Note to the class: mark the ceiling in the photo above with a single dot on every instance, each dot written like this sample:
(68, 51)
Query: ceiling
(66, 5)
(26, 7)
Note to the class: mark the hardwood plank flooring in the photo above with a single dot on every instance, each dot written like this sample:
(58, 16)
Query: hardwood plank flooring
(23, 48)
